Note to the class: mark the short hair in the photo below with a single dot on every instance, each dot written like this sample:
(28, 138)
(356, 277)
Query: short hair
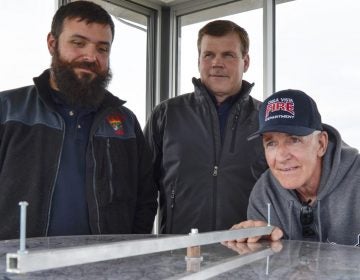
(85, 10)
(221, 28)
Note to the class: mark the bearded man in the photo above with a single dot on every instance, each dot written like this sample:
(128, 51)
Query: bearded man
(68, 146)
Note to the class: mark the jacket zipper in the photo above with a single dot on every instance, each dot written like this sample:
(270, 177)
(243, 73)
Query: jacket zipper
(215, 171)
(94, 189)
(215, 174)
(55, 178)
(110, 169)
(95, 123)
(233, 129)
(172, 207)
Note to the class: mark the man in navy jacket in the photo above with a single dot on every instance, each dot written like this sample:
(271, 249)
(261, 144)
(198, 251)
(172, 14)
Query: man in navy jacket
(68, 146)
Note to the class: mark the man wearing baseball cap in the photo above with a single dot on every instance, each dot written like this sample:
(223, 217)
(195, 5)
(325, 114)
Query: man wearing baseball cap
(313, 180)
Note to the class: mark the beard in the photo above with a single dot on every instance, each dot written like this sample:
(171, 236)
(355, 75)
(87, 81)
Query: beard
(84, 91)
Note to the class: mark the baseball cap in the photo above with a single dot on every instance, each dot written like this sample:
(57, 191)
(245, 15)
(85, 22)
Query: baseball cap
(288, 111)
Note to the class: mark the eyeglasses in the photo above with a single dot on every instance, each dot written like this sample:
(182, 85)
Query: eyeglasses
(307, 219)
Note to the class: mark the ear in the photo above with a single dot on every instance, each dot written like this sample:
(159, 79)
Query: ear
(246, 62)
(323, 143)
(51, 43)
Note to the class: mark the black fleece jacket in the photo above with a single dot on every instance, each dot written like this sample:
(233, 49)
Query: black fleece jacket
(121, 197)
(204, 182)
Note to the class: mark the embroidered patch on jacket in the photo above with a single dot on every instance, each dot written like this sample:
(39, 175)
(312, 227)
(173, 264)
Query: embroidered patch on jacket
(117, 123)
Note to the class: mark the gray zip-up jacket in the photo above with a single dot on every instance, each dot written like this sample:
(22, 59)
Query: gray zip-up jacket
(203, 184)
(337, 209)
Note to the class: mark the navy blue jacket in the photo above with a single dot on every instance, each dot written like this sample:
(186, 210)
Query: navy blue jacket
(121, 196)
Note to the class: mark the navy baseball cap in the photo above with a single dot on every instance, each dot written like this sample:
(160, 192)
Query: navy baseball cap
(288, 111)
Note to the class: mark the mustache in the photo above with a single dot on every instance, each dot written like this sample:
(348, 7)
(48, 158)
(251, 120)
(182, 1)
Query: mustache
(86, 65)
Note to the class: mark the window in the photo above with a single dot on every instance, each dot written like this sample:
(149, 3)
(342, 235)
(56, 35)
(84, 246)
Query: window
(24, 26)
(128, 65)
(317, 51)
(128, 59)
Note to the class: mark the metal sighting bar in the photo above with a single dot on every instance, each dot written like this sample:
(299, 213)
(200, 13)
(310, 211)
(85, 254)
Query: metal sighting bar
(35, 260)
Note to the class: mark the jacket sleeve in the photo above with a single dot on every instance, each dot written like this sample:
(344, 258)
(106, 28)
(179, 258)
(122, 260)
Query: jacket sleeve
(154, 137)
(146, 205)
(259, 165)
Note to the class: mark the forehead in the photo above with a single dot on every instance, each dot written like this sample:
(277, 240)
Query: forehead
(282, 136)
(230, 41)
(93, 31)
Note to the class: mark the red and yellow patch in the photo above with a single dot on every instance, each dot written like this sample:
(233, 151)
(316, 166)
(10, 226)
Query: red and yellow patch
(117, 123)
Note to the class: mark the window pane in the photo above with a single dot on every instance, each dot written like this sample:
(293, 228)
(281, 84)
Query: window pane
(24, 26)
(128, 58)
(128, 65)
(251, 20)
(317, 51)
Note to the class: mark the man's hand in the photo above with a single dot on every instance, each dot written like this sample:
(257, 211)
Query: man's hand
(275, 235)
(245, 248)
